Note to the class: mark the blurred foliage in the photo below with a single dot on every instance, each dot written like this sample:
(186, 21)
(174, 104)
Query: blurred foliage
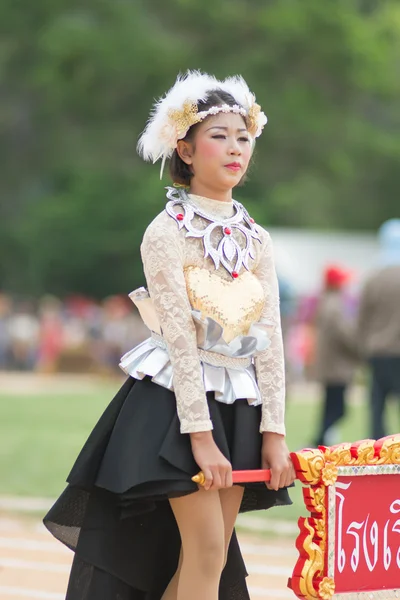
(77, 81)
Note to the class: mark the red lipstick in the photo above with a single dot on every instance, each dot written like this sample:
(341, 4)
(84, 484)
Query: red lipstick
(234, 166)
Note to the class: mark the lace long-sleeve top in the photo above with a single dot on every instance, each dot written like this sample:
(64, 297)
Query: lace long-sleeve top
(195, 302)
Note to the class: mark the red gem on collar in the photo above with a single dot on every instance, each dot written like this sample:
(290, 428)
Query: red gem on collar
(180, 216)
(251, 220)
(227, 231)
(235, 274)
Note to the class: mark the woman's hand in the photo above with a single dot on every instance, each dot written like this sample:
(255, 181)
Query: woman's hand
(216, 468)
(275, 456)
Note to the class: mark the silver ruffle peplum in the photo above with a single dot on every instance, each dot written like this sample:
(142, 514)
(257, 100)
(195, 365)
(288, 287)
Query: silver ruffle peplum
(228, 369)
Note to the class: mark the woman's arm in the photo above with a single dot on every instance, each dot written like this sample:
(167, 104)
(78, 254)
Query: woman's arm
(269, 364)
(270, 371)
(163, 260)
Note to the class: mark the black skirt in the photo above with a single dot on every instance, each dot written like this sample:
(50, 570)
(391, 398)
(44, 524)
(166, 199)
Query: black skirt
(114, 513)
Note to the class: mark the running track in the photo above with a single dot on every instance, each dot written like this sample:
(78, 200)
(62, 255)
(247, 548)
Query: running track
(34, 566)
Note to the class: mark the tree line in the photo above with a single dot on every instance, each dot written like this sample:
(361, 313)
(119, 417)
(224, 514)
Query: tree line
(77, 82)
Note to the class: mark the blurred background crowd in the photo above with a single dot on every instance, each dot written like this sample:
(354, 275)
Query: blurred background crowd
(75, 335)
(79, 334)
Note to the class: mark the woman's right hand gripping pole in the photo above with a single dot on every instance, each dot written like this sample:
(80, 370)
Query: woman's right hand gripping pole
(216, 468)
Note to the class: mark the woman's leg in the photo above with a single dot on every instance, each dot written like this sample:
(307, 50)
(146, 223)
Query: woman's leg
(171, 593)
(231, 499)
(201, 525)
(230, 503)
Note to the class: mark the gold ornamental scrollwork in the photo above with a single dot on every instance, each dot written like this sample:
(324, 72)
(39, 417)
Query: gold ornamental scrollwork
(317, 469)
(389, 450)
(310, 467)
(339, 455)
(320, 529)
(314, 498)
(319, 499)
(308, 464)
(312, 558)
(365, 453)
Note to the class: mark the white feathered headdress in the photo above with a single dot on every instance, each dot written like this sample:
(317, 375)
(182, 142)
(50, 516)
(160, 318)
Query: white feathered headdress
(176, 112)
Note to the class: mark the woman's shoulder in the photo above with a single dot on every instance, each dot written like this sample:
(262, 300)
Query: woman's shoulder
(263, 233)
(162, 227)
(264, 249)
(264, 236)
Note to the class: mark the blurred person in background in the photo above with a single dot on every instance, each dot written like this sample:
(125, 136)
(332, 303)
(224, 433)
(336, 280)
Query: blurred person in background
(379, 325)
(51, 339)
(116, 330)
(145, 528)
(5, 312)
(23, 327)
(301, 339)
(76, 352)
(335, 353)
(288, 310)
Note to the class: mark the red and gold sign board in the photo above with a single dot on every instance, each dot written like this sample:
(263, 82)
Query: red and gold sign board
(349, 546)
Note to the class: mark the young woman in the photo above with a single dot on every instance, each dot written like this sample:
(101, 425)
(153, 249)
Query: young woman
(206, 390)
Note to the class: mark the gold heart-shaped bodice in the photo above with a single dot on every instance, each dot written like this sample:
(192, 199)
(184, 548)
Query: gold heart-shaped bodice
(235, 304)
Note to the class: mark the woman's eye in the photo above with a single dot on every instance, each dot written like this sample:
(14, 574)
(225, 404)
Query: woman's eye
(219, 137)
(244, 139)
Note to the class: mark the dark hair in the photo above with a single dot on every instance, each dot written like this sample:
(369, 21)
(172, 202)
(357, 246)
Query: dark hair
(181, 172)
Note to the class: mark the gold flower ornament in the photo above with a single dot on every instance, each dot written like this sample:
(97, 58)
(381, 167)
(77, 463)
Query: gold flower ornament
(329, 474)
(326, 588)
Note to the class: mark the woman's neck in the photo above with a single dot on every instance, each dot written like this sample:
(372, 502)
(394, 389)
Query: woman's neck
(199, 189)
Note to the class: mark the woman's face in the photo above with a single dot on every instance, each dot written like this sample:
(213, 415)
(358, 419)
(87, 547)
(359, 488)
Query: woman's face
(219, 154)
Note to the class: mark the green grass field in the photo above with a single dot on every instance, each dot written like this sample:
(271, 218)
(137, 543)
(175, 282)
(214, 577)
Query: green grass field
(41, 435)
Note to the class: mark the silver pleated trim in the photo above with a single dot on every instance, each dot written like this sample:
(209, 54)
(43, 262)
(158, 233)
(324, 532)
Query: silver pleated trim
(228, 384)
(151, 358)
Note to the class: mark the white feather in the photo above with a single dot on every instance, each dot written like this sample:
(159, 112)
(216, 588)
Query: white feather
(192, 86)
(238, 88)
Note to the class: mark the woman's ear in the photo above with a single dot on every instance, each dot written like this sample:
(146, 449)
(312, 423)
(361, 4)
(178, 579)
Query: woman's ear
(185, 151)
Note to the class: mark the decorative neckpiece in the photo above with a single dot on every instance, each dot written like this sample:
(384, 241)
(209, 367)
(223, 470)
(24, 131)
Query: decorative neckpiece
(228, 253)
(177, 111)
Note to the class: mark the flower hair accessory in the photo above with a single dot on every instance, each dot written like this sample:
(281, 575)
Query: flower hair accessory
(177, 111)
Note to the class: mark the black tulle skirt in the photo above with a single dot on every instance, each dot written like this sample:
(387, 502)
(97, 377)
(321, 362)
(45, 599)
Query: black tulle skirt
(114, 513)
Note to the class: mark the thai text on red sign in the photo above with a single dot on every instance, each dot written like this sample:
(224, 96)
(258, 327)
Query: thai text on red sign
(367, 533)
